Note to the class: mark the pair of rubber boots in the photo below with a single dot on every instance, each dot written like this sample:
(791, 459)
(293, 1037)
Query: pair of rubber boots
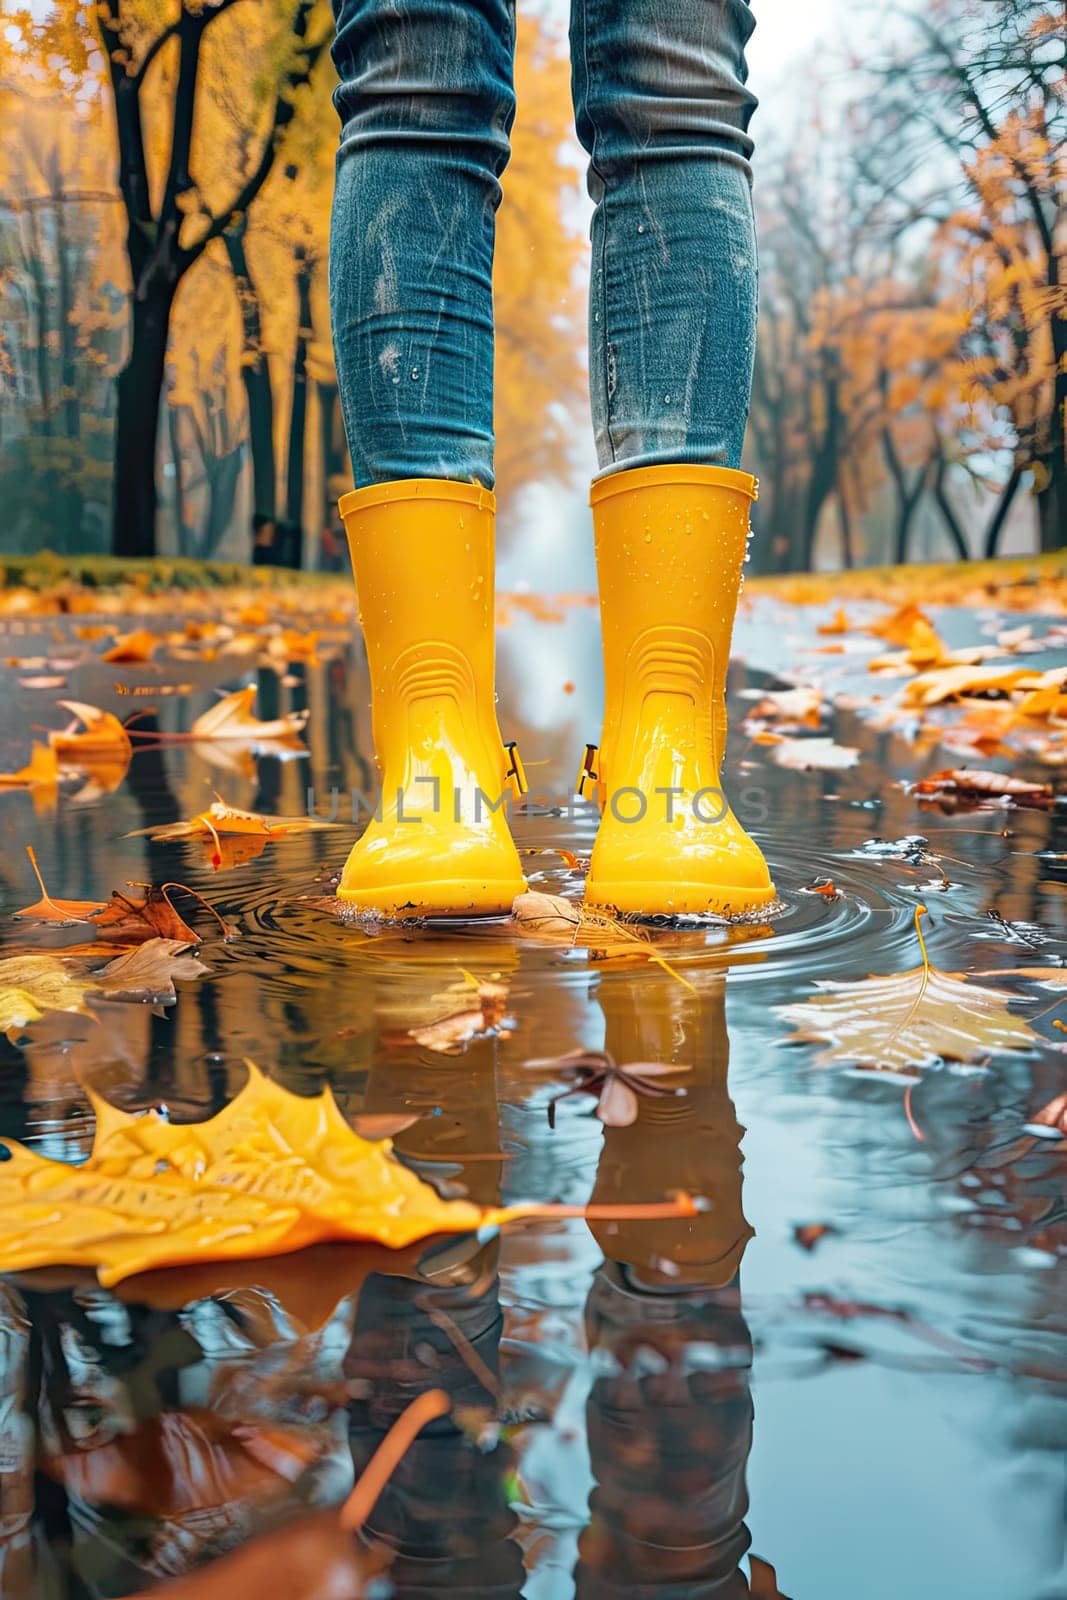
(671, 544)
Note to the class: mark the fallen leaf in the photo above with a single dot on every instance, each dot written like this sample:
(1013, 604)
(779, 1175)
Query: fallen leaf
(32, 985)
(140, 645)
(553, 919)
(232, 718)
(808, 1234)
(964, 782)
(270, 1173)
(952, 683)
(450, 1034)
(127, 921)
(63, 912)
(148, 973)
(801, 707)
(615, 1088)
(40, 772)
(221, 819)
(910, 1020)
(838, 623)
(823, 755)
(897, 627)
(1051, 977)
(102, 736)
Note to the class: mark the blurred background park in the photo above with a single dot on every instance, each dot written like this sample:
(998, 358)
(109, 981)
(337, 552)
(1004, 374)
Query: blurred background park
(166, 376)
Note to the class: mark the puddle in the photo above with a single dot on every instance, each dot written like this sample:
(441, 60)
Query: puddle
(848, 1369)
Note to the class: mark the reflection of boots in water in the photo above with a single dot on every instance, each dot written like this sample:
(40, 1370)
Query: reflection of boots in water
(686, 1141)
(445, 1509)
(670, 1420)
(419, 994)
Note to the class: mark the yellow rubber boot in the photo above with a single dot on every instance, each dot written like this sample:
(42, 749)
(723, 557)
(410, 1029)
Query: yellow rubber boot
(422, 554)
(671, 545)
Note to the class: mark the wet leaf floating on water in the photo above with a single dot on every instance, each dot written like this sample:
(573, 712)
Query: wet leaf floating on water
(270, 1173)
(140, 645)
(31, 986)
(898, 625)
(41, 772)
(819, 755)
(148, 973)
(553, 919)
(615, 1088)
(481, 1016)
(907, 1021)
(65, 913)
(965, 783)
(232, 718)
(955, 683)
(221, 820)
(94, 736)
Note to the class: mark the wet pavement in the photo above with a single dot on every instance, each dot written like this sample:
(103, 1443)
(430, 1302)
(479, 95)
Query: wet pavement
(847, 1372)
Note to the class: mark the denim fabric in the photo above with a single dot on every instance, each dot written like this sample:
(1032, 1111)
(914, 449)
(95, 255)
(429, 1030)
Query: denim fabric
(426, 103)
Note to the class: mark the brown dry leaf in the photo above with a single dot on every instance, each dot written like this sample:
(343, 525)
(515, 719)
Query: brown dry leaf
(823, 755)
(909, 1020)
(101, 737)
(40, 773)
(148, 972)
(965, 782)
(140, 645)
(63, 912)
(232, 718)
(127, 921)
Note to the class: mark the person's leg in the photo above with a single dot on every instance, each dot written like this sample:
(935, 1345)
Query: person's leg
(426, 102)
(663, 111)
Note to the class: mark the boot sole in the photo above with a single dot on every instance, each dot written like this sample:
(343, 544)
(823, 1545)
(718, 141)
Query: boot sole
(408, 901)
(681, 900)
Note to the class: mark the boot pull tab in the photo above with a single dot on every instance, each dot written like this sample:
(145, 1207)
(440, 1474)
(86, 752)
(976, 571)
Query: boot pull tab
(515, 774)
(589, 784)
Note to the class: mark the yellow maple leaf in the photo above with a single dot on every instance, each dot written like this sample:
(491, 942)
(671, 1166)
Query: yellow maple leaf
(271, 1173)
(907, 1020)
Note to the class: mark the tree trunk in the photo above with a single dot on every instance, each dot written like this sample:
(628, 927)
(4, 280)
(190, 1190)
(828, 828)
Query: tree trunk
(139, 389)
(948, 513)
(294, 491)
(1000, 516)
(255, 374)
(1052, 505)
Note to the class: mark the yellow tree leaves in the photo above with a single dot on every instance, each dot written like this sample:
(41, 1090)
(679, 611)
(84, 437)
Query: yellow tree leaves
(908, 1020)
(268, 1174)
(33, 985)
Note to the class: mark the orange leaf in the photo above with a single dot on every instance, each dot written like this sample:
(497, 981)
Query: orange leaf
(63, 912)
(232, 718)
(40, 772)
(104, 738)
(140, 645)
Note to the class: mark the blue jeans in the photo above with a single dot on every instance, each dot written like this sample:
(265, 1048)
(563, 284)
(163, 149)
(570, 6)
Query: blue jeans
(426, 102)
